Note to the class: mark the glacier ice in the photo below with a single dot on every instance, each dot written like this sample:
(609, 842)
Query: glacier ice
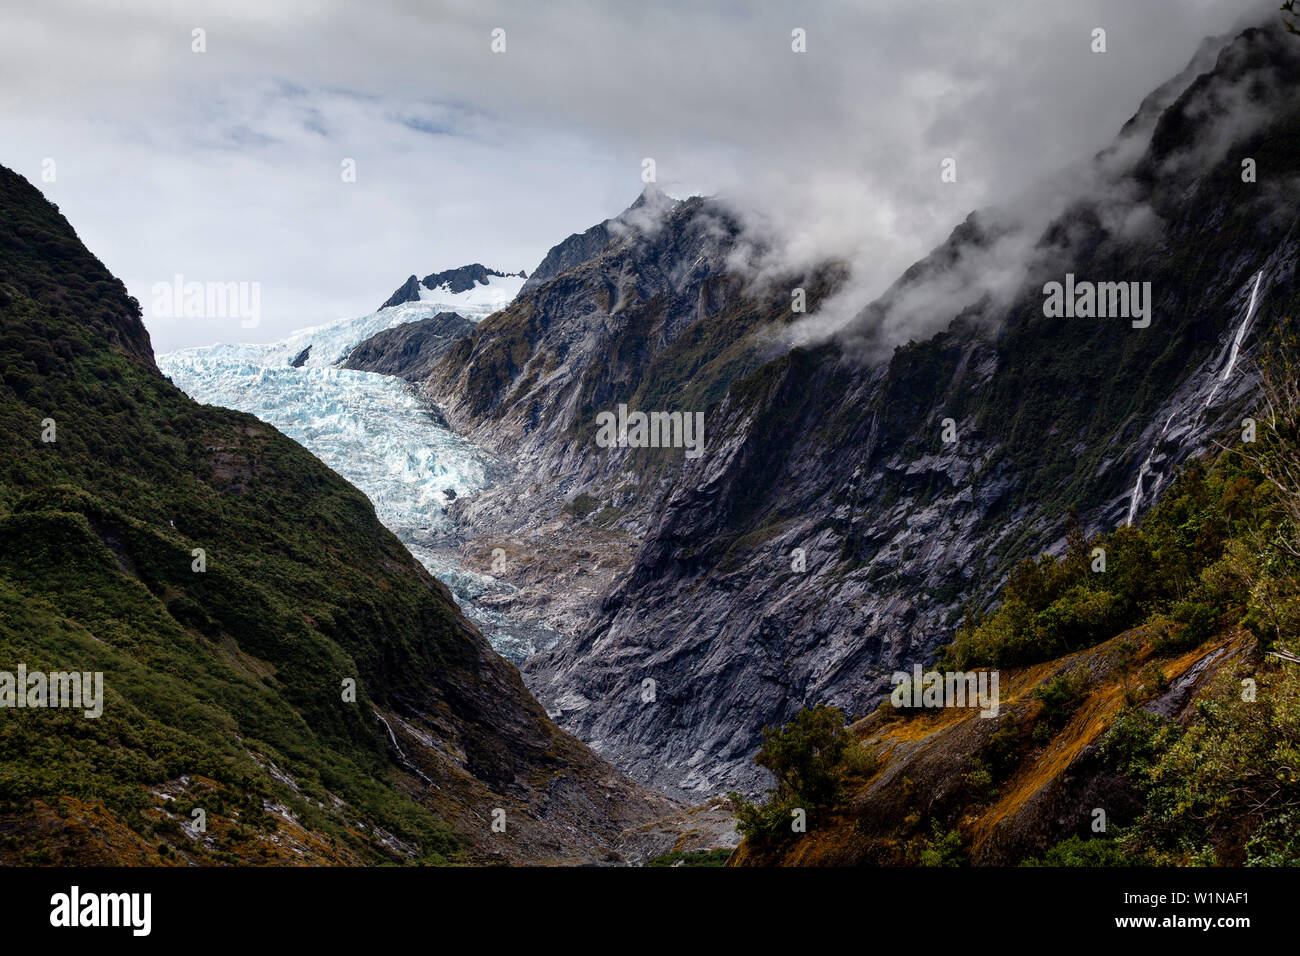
(374, 431)
(331, 343)
(370, 428)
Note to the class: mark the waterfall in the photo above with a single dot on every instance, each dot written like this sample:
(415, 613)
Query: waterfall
(1236, 342)
(1144, 470)
(401, 755)
(1136, 499)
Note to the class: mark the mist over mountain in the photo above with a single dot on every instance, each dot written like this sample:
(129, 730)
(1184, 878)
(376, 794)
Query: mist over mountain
(834, 450)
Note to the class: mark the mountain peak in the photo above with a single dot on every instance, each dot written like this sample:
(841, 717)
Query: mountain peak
(653, 197)
(652, 203)
(464, 279)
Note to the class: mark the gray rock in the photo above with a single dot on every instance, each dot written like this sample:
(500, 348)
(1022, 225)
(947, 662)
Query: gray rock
(706, 634)
(456, 280)
(409, 350)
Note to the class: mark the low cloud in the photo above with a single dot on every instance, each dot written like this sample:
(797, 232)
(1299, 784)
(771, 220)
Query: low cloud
(225, 165)
(1001, 248)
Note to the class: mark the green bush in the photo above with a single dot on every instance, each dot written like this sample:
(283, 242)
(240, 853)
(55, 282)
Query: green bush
(1088, 851)
(1233, 769)
(1061, 696)
(1175, 563)
(807, 757)
(1199, 623)
(944, 849)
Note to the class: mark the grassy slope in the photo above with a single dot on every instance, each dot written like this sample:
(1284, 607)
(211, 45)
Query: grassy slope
(212, 677)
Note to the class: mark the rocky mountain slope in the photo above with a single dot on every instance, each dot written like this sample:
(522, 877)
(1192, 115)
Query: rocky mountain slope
(411, 350)
(935, 765)
(271, 655)
(830, 534)
(581, 246)
(1147, 714)
(654, 319)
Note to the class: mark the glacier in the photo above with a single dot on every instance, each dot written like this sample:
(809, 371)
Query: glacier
(376, 432)
(331, 343)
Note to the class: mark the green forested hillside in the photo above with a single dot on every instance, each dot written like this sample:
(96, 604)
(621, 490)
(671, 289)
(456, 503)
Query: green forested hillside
(224, 686)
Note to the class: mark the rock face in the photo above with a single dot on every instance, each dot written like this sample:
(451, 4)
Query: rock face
(408, 291)
(454, 281)
(409, 351)
(852, 491)
(708, 826)
(267, 644)
(582, 246)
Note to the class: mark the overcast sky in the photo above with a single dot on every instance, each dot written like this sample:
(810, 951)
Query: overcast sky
(226, 165)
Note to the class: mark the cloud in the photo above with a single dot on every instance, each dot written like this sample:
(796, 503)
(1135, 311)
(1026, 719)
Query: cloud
(1002, 249)
(225, 165)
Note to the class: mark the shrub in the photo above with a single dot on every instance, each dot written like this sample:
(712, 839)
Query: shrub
(1177, 558)
(805, 753)
(583, 505)
(1061, 696)
(808, 759)
(1233, 769)
(944, 848)
(1200, 622)
(1088, 851)
(1276, 842)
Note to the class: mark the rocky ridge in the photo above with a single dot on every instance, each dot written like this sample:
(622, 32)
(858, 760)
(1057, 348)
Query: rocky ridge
(831, 458)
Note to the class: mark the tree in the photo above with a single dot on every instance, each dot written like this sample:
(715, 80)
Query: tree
(806, 755)
(805, 752)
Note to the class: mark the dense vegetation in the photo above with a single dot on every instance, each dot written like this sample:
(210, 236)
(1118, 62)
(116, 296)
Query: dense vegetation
(1181, 568)
(1218, 556)
(228, 678)
(813, 758)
